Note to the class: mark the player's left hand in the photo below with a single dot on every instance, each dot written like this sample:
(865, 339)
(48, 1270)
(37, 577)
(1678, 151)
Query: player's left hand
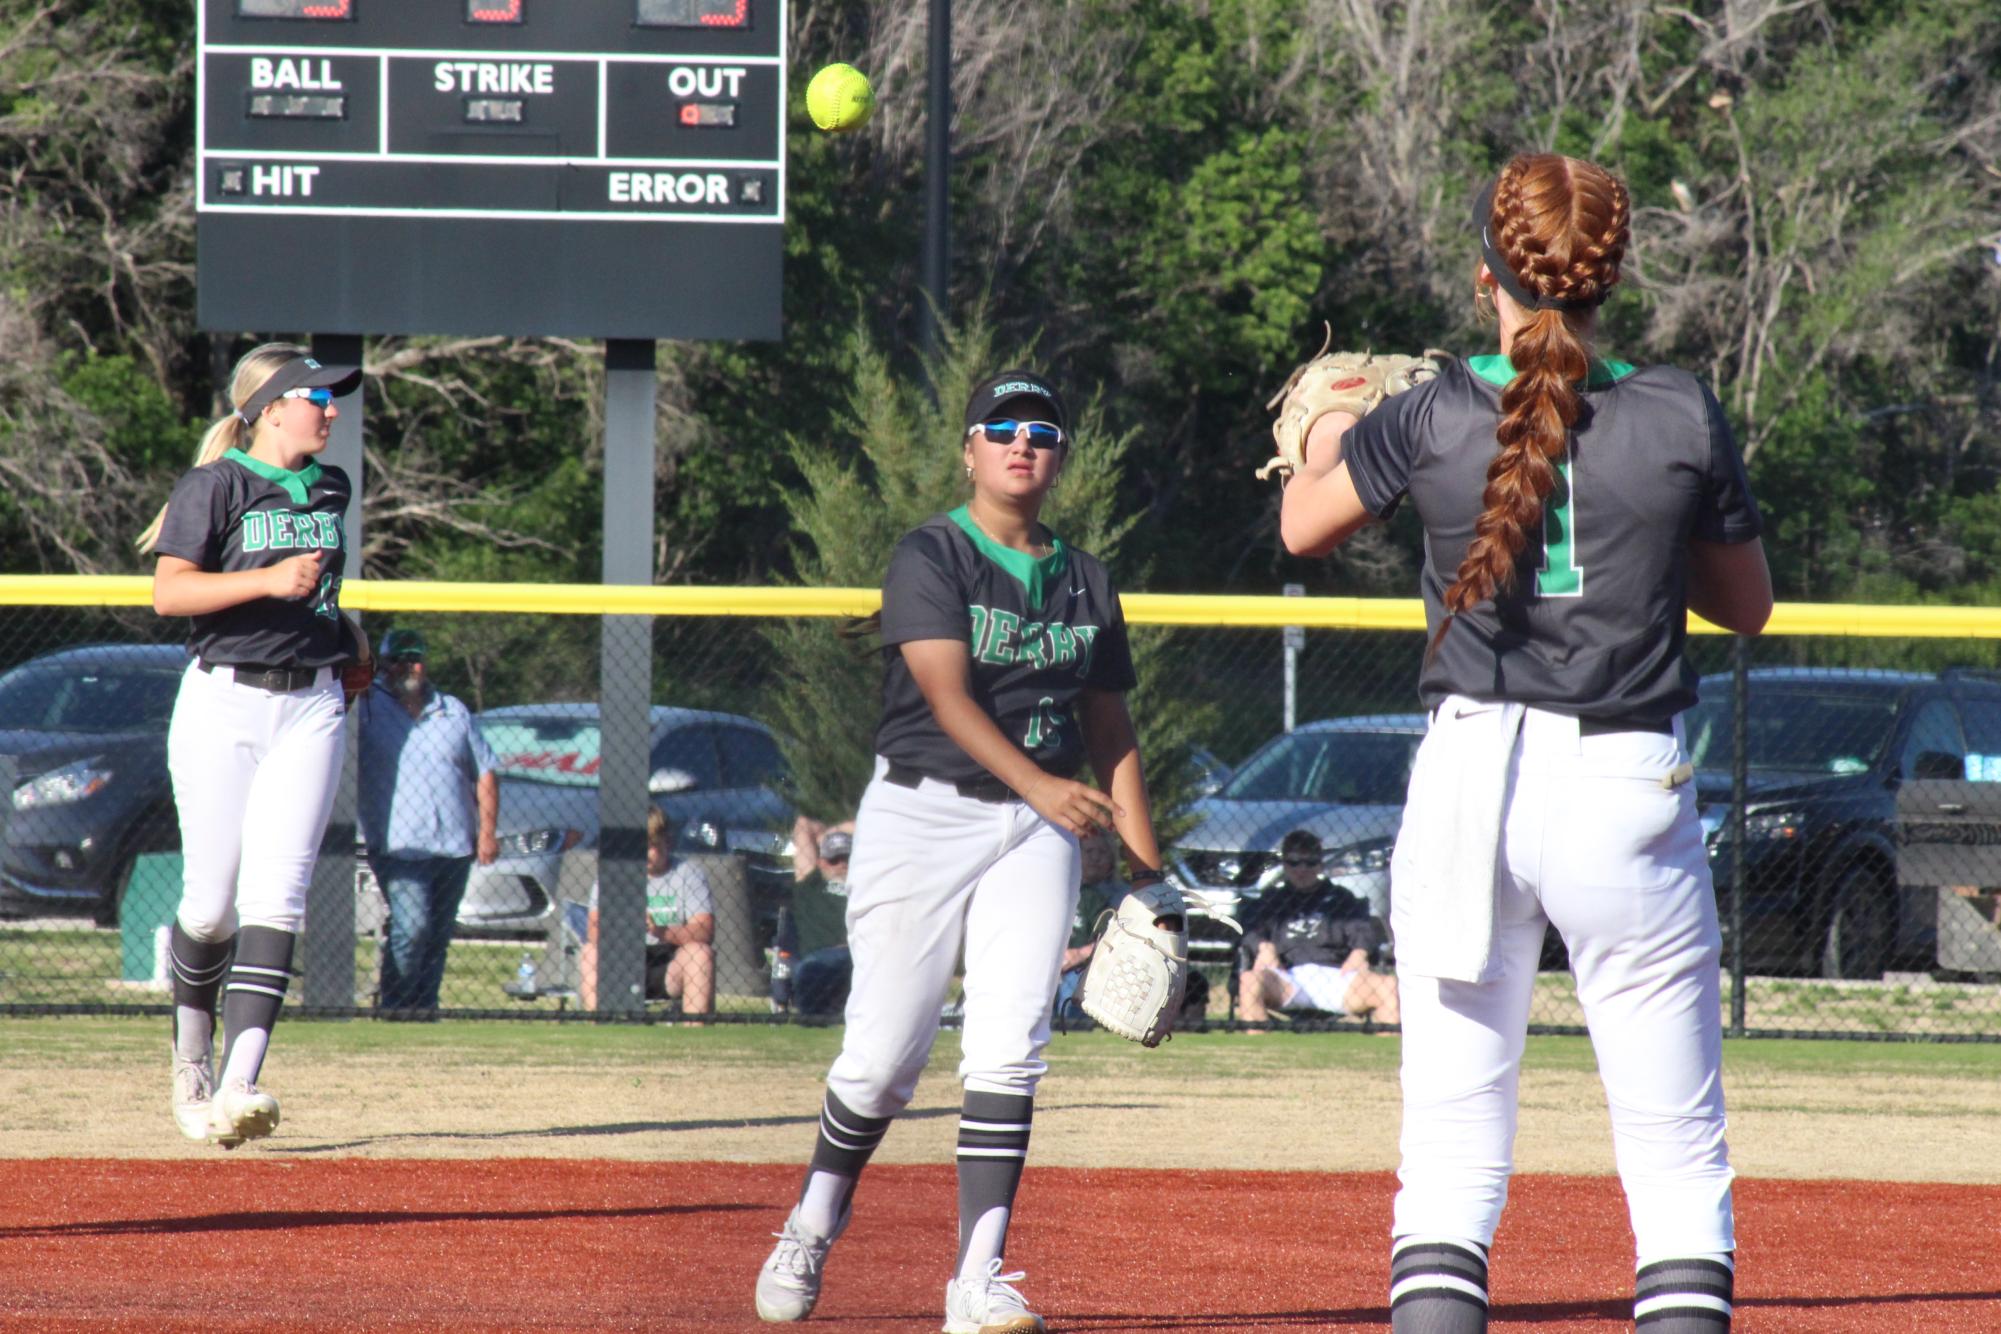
(489, 849)
(1069, 804)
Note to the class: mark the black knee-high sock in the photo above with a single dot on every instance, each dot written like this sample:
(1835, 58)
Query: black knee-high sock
(993, 1146)
(253, 995)
(846, 1141)
(197, 966)
(1689, 1296)
(1437, 1286)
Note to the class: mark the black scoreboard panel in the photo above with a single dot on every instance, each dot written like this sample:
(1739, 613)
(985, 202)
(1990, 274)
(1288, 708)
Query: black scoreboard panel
(582, 168)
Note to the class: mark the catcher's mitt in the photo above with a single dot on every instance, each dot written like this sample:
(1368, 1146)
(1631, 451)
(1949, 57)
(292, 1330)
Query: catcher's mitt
(358, 670)
(1352, 382)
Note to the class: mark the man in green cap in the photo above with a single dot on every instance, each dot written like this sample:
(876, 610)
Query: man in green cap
(430, 798)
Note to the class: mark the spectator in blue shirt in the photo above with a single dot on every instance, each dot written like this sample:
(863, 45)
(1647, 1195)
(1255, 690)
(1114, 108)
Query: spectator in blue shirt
(429, 801)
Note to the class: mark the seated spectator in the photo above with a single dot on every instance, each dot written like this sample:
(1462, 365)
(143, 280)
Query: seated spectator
(680, 926)
(811, 967)
(1308, 945)
(1101, 890)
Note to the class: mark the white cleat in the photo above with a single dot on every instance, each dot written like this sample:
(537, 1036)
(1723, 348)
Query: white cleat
(788, 1286)
(194, 1086)
(987, 1304)
(240, 1111)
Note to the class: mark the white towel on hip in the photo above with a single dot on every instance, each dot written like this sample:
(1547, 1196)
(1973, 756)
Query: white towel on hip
(1442, 875)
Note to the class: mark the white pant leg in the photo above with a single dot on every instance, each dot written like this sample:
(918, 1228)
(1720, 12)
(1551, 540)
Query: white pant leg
(212, 755)
(286, 818)
(918, 854)
(1016, 928)
(1462, 1055)
(1627, 883)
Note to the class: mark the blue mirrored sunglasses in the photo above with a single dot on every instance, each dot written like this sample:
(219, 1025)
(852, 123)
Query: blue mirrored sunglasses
(319, 398)
(1001, 431)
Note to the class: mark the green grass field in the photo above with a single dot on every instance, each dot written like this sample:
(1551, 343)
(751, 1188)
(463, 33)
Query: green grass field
(64, 965)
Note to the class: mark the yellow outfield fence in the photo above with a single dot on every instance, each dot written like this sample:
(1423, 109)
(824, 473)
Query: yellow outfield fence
(1869, 844)
(1193, 609)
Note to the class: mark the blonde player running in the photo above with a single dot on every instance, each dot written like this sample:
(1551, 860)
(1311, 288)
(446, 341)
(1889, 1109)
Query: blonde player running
(1574, 508)
(249, 546)
(1005, 666)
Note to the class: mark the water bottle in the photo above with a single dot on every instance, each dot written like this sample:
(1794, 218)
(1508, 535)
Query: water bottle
(524, 976)
(781, 980)
(784, 942)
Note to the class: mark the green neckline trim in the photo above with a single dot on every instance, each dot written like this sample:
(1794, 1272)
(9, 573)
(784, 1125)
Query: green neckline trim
(1497, 370)
(293, 483)
(1033, 573)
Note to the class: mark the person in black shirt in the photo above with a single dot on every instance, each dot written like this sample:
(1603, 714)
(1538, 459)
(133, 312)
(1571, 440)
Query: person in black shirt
(250, 547)
(1575, 510)
(1005, 667)
(1309, 944)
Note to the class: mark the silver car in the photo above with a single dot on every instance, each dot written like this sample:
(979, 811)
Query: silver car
(718, 776)
(1341, 779)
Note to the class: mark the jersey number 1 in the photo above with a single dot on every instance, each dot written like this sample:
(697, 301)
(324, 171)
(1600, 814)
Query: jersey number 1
(1043, 726)
(1560, 576)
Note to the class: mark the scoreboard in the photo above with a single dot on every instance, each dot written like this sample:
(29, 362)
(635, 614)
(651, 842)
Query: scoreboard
(580, 168)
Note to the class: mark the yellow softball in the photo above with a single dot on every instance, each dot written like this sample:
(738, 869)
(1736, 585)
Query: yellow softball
(839, 98)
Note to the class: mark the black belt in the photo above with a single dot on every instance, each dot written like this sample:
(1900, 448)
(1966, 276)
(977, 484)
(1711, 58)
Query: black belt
(979, 789)
(1606, 726)
(279, 679)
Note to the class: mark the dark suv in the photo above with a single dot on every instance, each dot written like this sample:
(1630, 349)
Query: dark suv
(83, 775)
(1861, 786)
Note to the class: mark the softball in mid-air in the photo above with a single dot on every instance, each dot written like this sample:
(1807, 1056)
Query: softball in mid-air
(840, 98)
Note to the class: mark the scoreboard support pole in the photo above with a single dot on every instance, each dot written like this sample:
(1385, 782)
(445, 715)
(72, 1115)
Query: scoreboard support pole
(625, 673)
(327, 943)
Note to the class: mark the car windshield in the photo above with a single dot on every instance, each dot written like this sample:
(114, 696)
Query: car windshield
(562, 751)
(1341, 768)
(47, 699)
(1804, 729)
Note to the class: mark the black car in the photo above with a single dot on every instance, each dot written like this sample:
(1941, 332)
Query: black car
(83, 765)
(1865, 791)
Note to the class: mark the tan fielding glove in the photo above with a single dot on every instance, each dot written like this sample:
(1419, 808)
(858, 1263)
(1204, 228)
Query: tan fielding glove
(1352, 382)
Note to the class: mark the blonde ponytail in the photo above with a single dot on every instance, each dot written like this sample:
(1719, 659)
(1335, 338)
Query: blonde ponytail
(229, 432)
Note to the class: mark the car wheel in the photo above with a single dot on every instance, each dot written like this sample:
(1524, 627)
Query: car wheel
(112, 901)
(1857, 943)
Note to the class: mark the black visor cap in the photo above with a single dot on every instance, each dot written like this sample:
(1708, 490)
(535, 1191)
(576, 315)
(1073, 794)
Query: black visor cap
(1016, 392)
(299, 373)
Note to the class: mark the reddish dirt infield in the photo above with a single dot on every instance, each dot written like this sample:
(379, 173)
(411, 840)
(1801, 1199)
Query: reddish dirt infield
(268, 1244)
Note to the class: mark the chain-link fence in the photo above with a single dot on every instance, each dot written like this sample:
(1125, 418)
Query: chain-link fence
(1855, 833)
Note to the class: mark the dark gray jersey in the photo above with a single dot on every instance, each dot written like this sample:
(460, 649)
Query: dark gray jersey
(240, 513)
(1039, 632)
(1597, 619)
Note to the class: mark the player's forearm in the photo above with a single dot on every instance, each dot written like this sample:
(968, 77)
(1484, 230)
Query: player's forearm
(1113, 746)
(976, 733)
(193, 592)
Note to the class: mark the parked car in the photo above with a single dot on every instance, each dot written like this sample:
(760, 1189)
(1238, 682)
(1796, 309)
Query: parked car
(1858, 783)
(1206, 773)
(1343, 779)
(83, 761)
(718, 776)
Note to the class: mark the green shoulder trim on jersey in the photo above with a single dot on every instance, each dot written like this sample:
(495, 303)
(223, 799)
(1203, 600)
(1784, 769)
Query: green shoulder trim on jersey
(294, 483)
(1033, 573)
(1497, 370)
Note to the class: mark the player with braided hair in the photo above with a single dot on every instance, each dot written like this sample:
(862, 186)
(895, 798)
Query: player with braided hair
(1575, 508)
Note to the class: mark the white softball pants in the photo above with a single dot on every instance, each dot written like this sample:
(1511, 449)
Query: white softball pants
(1591, 842)
(933, 872)
(254, 774)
